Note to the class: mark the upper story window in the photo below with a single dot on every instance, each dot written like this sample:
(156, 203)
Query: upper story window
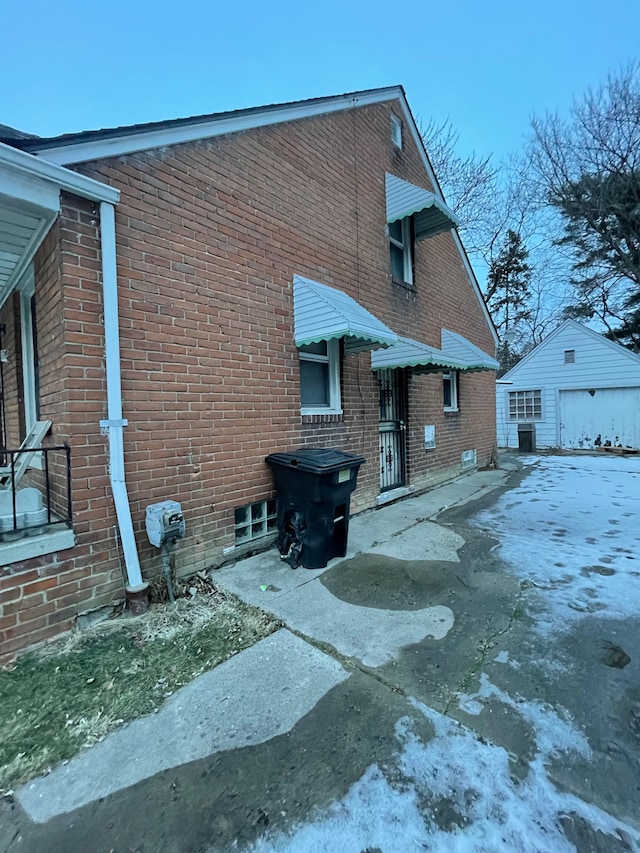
(525, 405)
(401, 250)
(320, 378)
(450, 391)
(569, 356)
(396, 131)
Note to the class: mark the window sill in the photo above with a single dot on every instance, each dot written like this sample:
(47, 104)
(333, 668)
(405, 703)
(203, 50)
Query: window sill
(305, 412)
(405, 285)
(451, 411)
(36, 546)
(322, 418)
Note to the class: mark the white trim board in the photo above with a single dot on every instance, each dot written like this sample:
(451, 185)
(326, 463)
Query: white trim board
(140, 140)
(209, 127)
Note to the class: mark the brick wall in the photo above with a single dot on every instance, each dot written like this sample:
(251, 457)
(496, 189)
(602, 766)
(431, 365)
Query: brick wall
(41, 597)
(209, 237)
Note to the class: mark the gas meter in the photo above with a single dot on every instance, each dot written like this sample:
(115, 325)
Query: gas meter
(165, 523)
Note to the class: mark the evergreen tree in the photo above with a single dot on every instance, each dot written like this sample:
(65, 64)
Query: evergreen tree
(508, 285)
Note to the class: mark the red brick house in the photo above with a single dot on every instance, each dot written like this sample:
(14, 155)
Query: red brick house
(182, 298)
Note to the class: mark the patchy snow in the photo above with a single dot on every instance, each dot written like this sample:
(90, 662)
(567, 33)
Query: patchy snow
(456, 794)
(572, 529)
(503, 657)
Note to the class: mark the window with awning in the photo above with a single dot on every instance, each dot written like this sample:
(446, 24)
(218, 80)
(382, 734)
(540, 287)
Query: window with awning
(323, 313)
(323, 316)
(430, 214)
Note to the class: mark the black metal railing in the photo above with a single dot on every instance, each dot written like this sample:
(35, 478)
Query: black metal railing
(36, 498)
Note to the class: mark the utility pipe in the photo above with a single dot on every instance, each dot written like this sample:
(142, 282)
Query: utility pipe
(114, 425)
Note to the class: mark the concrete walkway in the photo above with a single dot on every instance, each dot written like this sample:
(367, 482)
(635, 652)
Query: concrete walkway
(464, 679)
(263, 691)
(401, 531)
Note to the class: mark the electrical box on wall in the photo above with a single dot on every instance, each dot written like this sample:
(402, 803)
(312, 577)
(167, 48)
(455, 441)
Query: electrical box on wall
(430, 438)
(165, 523)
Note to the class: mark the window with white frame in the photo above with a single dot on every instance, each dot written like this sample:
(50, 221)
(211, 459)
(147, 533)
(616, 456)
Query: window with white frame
(569, 356)
(29, 336)
(320, 378)
(450, 391)
(401, 250)
(525, 405)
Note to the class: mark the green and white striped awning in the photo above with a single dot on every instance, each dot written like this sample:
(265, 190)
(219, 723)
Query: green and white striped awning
(420, 357)
(431, 215)
(459, 347)
(457, 353)
(322, 313)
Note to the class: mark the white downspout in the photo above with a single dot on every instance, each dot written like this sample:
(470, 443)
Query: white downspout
(114, 425)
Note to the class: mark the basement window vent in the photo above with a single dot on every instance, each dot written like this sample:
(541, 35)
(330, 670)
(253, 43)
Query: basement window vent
(569, 356)
(469, 459)
(255, 520)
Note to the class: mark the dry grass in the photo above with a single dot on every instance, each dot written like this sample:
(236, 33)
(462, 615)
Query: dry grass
(73, 692)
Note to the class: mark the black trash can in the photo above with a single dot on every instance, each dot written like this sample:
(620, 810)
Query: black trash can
(314, 489)
(527, 438)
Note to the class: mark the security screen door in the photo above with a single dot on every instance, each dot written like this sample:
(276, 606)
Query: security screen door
(393, 397)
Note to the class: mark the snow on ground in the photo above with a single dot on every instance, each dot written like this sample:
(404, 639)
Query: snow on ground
(456, 794)
(572, 528)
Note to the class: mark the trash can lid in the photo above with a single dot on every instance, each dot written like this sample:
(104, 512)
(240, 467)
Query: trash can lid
(319, 460)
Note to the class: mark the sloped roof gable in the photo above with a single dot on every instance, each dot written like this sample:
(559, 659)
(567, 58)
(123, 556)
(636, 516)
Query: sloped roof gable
(74, 148)
(593, 337)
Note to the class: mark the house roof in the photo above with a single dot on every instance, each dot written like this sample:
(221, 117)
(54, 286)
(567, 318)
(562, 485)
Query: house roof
(82, 146)
(596, 337)
(11, 133)
(322, 313)
(29, 204)
(73, 148)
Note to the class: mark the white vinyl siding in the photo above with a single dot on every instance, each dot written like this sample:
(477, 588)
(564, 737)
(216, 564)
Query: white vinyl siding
(598, 364)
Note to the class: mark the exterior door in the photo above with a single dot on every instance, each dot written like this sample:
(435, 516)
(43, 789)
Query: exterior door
(393, 397)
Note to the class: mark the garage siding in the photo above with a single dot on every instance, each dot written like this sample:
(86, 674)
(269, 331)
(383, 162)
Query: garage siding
(574, 358)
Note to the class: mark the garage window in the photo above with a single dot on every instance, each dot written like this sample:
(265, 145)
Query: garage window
(525, 405)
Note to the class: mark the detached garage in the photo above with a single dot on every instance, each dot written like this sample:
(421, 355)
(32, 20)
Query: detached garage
(576, 390)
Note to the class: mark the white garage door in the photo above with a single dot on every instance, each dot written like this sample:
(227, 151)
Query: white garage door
(589, 418)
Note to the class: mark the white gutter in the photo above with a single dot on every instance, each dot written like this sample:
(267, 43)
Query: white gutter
(114, 425)
(37, 172)
(64, 179)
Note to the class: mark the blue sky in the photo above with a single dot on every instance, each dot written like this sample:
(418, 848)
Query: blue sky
(487, 66)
